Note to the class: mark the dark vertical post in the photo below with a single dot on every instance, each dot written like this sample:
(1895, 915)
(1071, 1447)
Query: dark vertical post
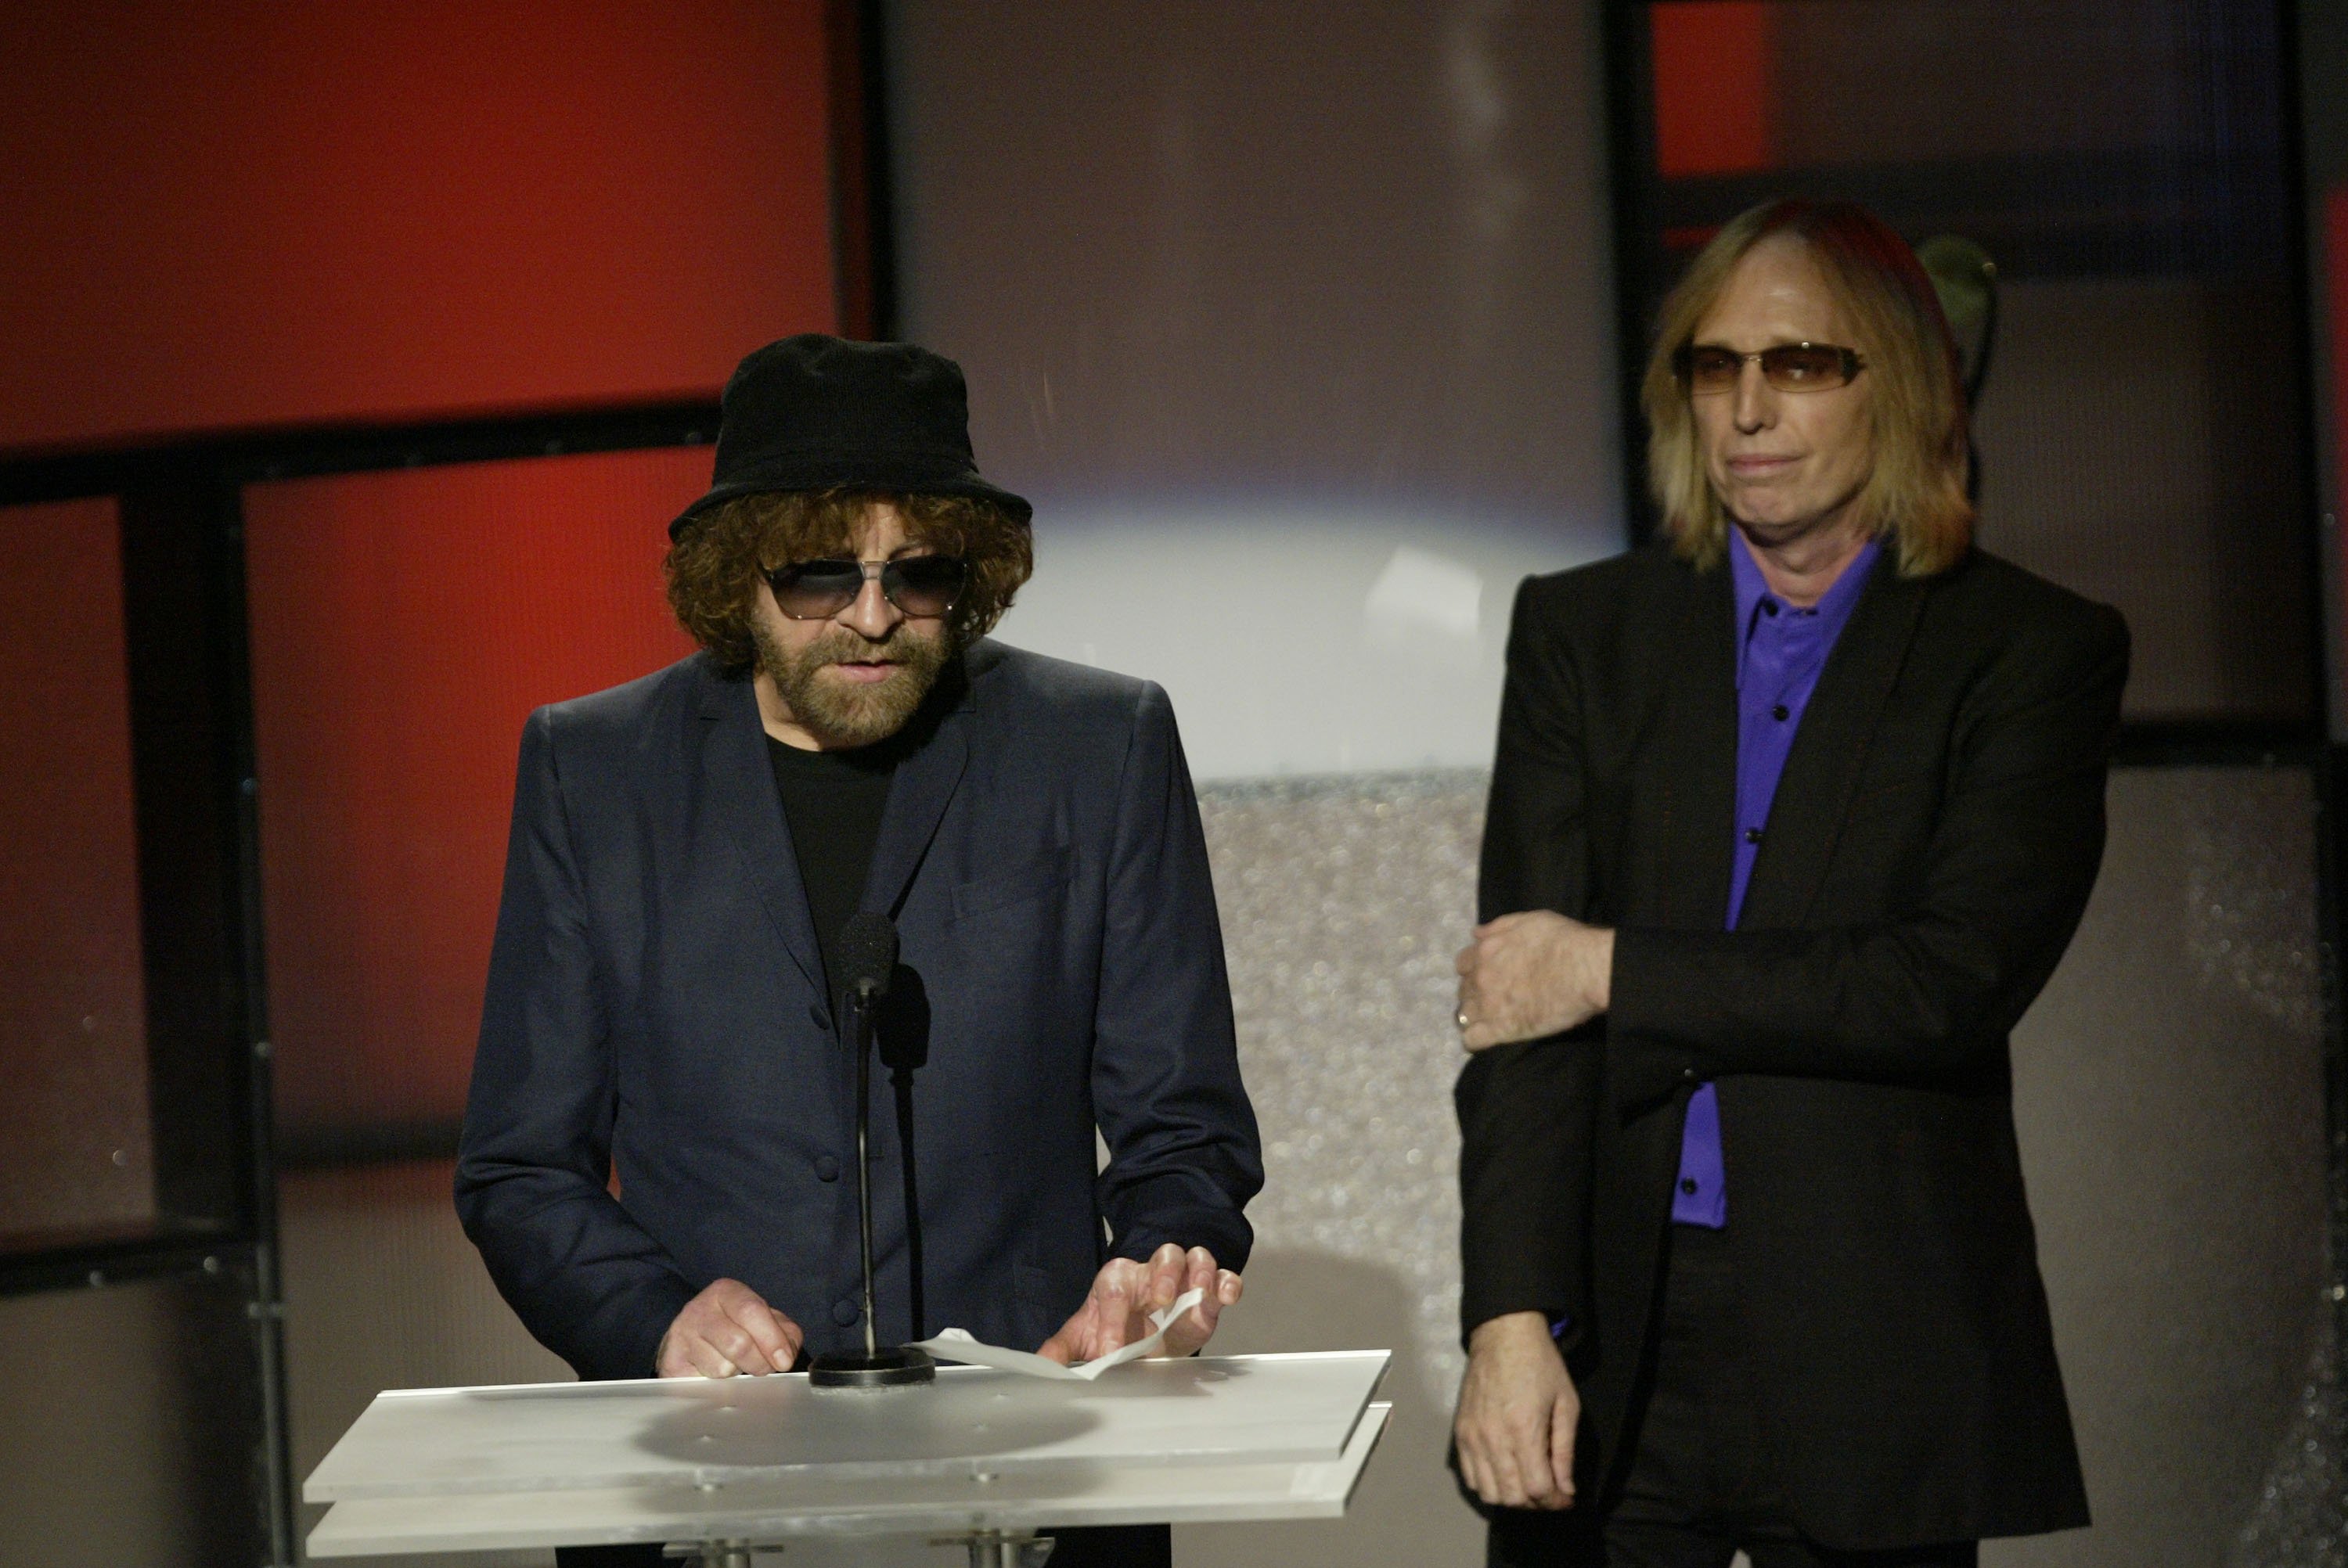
(862, 234)
(189, 908)
(200, 903)
(2330, 911)
(2314, 41)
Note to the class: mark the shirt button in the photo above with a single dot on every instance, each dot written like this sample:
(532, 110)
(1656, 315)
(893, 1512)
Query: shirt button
(1752, 835)
(844, 1312)
(827, 1169)
(1687, 1185)
(1768, 607)
(1781, 713)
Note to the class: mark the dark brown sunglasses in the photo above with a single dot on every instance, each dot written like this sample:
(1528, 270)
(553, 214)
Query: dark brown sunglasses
(1707, 368)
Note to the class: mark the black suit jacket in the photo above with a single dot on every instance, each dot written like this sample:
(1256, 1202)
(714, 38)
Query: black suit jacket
(1932, 845)
(656, 1008)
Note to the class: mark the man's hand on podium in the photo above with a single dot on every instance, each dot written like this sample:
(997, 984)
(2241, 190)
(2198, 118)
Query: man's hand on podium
(1125, 1293)
(728, 1329)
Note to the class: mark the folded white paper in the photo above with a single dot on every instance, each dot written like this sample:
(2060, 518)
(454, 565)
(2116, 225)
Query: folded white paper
(956, 1345)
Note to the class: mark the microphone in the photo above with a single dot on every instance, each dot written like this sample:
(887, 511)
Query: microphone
(868, 957)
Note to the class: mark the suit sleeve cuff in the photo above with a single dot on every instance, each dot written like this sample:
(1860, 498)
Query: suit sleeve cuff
(1225, 1234)
(629, 1344)
(1646, 1063)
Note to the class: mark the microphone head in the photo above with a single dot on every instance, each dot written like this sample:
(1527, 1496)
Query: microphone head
(868, 953)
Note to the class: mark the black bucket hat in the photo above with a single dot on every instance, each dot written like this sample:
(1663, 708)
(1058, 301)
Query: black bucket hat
(815, 413)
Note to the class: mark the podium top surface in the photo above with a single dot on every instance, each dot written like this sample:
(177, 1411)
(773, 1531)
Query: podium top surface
(548, 1437)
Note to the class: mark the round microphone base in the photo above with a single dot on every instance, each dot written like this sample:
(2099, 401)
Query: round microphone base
(890, 1368)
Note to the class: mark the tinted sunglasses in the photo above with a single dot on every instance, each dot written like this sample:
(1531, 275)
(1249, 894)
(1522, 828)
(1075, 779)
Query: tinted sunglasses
(1704, 368)
(918, 585)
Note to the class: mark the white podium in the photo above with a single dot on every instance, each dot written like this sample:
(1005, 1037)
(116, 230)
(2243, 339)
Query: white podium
(715, 1469)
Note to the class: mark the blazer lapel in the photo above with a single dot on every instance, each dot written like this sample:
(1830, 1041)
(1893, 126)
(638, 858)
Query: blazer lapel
(738, 781)
(1806, 813)
(1698, 757)
(918, 796)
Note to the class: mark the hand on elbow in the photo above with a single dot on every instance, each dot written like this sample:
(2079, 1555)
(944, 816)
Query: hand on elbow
(1531, 974)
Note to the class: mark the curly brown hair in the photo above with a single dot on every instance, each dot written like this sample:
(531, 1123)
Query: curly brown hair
(715, 566)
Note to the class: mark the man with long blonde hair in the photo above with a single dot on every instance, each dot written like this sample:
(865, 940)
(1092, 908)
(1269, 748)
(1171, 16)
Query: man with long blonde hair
(1792, 816)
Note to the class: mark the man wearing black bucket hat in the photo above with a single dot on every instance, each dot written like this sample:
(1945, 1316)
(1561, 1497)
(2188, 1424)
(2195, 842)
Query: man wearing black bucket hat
(687, 850)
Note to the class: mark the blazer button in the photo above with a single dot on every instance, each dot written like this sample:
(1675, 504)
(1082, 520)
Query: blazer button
(845, 1313)
(827, 1169)
(1687, 1075)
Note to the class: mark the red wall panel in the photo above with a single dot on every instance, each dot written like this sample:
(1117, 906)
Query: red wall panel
(255, 211)
(404, 625)
(75, 1151)
(1712, 88)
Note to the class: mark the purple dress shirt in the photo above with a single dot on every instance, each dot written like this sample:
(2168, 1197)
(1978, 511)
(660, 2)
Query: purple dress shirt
(1779, 652)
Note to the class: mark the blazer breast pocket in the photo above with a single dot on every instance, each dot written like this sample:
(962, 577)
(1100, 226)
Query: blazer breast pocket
(1030, 879)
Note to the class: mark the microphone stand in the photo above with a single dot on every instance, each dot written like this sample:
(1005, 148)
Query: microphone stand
(898, 1364)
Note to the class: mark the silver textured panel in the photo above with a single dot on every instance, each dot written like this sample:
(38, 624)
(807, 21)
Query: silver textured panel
(2169, 1094)
(1344, 900)
(2248, 837)
(2301, 1519)
(2252, 928)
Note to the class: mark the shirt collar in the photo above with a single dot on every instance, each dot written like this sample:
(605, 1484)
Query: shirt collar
(1751, 589)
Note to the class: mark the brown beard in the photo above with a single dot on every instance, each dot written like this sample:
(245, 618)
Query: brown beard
(842, 716)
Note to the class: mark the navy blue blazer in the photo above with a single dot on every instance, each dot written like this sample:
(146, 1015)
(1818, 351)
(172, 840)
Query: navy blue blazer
(660, 1101)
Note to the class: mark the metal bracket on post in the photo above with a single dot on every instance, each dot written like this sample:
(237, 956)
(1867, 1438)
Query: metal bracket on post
(1002, 1548)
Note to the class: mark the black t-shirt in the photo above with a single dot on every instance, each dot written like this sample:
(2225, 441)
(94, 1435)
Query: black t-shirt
(833, 801)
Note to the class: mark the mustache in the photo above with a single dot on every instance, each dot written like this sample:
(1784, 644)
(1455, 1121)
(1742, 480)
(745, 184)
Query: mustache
(848, 648)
